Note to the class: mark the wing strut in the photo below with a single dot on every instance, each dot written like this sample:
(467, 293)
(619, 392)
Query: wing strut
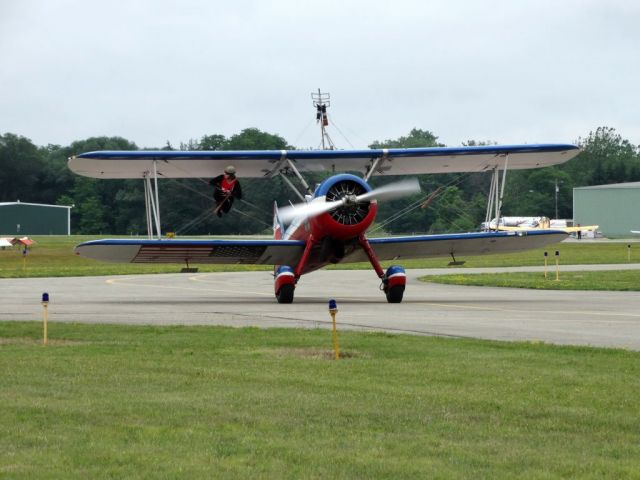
(376, 165)
(496, 194)
(300, 177)
(152, 202)
(292, 166)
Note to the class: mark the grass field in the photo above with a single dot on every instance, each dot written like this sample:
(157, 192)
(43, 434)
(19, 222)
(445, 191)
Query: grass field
(205, 402)
(626, 280)
(53, 257)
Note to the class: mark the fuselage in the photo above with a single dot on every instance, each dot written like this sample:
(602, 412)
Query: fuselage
(335, 233)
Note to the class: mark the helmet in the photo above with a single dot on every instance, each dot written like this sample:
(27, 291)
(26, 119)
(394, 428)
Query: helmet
(231, 170)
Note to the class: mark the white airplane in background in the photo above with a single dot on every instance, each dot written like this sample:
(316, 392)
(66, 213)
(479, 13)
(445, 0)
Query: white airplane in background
(520, 224)
(330, 225)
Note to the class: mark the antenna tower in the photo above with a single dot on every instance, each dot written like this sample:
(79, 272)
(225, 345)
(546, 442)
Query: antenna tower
(321, 101)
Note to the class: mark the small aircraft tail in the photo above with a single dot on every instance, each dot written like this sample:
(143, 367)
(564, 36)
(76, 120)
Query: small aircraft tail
(278, 227)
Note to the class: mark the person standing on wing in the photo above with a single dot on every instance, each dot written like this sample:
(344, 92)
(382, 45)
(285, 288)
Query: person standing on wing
(226, 187)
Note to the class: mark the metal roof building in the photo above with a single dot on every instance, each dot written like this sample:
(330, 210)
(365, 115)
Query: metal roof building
(20, 218)
(614, 207)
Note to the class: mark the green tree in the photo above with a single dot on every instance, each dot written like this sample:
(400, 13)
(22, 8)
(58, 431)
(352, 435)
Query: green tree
(212, 142)
(453, 212)
(254, 139)
(20, 164)
(98, 204)
(417, 138)
(606, 158)
(533, 193)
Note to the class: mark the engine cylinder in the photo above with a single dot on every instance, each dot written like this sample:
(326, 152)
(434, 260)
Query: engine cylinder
(349, 220)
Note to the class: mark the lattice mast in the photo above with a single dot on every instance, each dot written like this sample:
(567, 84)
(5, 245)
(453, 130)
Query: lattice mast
(322, 101)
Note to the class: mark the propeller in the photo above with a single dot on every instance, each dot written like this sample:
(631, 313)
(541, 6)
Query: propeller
(386, 192)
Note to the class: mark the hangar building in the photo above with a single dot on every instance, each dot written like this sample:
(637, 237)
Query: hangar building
(613, 207)
(19, 218)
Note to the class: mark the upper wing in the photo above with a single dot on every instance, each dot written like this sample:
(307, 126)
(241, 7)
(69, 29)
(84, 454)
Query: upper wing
(457, 244)
(248, 252)
(265, 163)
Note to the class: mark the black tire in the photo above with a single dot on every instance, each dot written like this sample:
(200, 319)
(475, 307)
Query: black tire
(395, 293)
(285, 294)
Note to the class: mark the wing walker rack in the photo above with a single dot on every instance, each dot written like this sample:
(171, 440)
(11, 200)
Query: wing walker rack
(321, 101)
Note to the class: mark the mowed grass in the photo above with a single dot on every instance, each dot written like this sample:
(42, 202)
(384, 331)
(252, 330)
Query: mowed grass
(53, 257)
(626, 280)
(207, 402)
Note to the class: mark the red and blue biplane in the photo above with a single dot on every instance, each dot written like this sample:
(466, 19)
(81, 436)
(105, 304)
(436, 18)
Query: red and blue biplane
(330, 224)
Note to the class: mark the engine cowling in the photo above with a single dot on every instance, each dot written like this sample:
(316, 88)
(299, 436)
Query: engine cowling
(349, 220)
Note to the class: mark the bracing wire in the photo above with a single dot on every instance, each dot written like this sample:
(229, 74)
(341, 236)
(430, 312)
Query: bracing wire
(410, 208)
(195, 222)
(340, 132)
(295, 142)
(261, 210)
(252, 217)
(204, 215)
(333, 122)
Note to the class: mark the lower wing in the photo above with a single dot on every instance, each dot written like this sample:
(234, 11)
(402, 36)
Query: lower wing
(248, 252)
(288, 252)
(457, 244)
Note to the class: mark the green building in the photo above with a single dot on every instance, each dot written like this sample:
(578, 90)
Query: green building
(18, 218)
(614, 207)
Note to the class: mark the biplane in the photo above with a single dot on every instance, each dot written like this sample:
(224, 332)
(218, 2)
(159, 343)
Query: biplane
(329, 224)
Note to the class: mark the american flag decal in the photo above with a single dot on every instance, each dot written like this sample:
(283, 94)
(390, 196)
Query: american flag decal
(238, 251)
(194, 253)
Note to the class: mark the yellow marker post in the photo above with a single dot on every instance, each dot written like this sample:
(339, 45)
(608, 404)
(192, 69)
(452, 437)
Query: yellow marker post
(628, 252)
(545, 265)
(557, 265)
(45, 317)
(333, 309)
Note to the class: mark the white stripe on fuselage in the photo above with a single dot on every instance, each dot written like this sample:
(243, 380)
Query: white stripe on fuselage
(297, 223)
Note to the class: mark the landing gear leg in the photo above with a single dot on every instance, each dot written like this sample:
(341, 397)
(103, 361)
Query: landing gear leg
(286, 277)
(393, 281)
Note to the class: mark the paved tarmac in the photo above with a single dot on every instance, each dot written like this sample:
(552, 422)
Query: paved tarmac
(610, 319)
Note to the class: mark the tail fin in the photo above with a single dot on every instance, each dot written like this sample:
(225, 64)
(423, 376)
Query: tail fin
(278, 227)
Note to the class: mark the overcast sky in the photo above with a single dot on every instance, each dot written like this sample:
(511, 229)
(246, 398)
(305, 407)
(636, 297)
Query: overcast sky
(154, 71)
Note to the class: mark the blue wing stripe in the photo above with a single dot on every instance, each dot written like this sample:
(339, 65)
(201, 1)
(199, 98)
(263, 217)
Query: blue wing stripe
(324, 154)
(196, 243)
(460, 236)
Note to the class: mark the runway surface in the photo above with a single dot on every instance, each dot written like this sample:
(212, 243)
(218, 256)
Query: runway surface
(610, 319)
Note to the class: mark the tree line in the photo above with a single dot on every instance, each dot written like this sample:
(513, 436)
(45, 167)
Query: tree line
(448, 202)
